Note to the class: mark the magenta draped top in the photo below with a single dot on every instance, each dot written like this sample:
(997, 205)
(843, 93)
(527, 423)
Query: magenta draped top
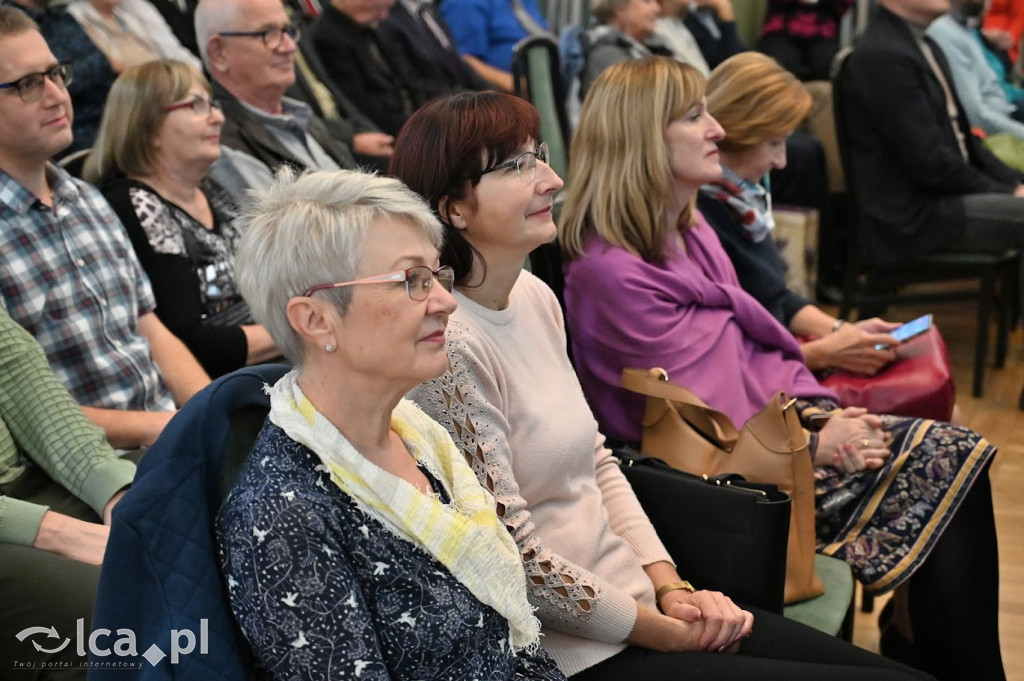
(688, 315)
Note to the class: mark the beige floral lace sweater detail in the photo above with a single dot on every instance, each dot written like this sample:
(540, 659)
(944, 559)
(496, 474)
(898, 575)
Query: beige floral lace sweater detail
(513, 405)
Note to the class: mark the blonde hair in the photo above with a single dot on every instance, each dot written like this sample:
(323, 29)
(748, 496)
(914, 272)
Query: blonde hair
(755, 99)
(619, 177)
(131, 119)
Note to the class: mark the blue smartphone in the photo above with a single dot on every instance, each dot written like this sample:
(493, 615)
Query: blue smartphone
(909, 330)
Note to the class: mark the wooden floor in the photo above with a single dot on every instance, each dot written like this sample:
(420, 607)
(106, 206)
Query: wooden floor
(997, 417)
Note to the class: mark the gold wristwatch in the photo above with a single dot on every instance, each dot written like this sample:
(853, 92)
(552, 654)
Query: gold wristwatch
(672, 586)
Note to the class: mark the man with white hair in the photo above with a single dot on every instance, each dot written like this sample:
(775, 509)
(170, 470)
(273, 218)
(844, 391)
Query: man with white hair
(248, 47)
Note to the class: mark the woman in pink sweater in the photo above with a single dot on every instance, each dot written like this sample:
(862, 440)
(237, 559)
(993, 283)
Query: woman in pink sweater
(608, 596)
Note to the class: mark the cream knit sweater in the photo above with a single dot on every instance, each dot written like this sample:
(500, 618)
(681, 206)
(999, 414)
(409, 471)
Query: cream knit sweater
(514, 406)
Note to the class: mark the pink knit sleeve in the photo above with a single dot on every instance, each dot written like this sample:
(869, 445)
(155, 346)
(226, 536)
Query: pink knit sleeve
(467, 401)
(627, 517)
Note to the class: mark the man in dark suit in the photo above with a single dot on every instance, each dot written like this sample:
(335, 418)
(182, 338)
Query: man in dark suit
(924, 181)
(248, 47)
(422, 34)
(370, 69)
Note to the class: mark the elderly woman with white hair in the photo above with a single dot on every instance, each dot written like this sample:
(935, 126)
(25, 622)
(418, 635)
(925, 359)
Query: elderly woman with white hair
(357, 542)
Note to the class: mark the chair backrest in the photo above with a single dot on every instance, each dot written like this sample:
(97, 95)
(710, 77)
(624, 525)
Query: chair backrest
(536, 58)
(74, 162)
(749, 18)
(160, 572)
(851, 231)
(563, 13)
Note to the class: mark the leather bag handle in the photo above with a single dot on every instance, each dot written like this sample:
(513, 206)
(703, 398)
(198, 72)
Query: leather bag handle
(711, 423)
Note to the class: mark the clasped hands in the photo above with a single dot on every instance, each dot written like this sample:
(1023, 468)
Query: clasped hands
(704, 620)
(853, 440)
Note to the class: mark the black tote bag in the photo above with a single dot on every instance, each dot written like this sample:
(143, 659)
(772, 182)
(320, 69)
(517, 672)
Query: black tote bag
(724, 533)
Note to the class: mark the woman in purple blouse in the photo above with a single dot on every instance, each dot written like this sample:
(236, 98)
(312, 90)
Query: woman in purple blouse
(904, 501)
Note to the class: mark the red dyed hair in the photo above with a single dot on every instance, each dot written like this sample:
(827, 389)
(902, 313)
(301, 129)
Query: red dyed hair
(444, 147)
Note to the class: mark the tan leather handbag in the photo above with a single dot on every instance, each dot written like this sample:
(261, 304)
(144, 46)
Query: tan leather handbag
(771, 447)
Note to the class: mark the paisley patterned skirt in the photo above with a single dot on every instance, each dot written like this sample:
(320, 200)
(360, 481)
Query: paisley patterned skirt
(885, 522)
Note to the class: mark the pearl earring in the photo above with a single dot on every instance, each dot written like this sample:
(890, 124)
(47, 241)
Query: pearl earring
(329, 347)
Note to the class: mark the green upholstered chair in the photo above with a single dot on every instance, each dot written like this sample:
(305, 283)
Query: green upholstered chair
(536, 73)
(831, 612)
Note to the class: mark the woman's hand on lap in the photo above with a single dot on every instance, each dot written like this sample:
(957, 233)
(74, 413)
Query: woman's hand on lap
(725, 623)
(851, 441)
(656, 631)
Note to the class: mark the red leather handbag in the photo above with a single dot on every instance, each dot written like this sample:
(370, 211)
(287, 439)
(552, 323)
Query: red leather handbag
(918, 383)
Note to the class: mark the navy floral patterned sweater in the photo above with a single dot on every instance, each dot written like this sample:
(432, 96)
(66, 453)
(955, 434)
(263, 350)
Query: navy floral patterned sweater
(322, 590)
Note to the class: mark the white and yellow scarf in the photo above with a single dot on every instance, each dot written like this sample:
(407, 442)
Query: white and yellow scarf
(466, 537)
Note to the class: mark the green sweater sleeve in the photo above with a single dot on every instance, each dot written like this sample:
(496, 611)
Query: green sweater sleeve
(48, 426)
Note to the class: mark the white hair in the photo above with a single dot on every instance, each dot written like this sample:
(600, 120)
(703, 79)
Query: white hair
(212, 17)
(308, 230)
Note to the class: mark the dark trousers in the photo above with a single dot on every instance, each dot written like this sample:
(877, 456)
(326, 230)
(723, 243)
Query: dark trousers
(777, 650)
(40, 589)
(994, 222)
(805, 59)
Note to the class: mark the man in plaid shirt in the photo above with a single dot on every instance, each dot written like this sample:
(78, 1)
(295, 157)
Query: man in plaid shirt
(68, 273)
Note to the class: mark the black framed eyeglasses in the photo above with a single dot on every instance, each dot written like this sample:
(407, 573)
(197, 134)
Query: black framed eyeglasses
(30, 88)
(200, 105)
(271, 37)
(418, 281)
(526, 161)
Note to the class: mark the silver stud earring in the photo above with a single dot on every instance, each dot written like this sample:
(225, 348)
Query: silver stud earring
(329, 347)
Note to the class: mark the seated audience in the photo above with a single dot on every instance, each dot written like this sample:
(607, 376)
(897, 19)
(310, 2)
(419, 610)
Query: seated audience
(129, 32)
(160, 134)
(248, 47)
(649, 285)
(1004, 25)
(977, 85)
(999, 60)
(59, 480)
(924, 182)
(93, 72)
(179, 17)
(626, 24)
(485, 31)
(344, 120)
(759, 103)
(369, 68)
(419, 29)
(376, 554)
(609, 598)
(68, 274)
(702, 33)
(625, 31)
(803, 35)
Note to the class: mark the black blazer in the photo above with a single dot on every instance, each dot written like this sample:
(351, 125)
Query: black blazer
(715, 49)
(242, 130)
(439, 70)
(902, 151)
(344, 48)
